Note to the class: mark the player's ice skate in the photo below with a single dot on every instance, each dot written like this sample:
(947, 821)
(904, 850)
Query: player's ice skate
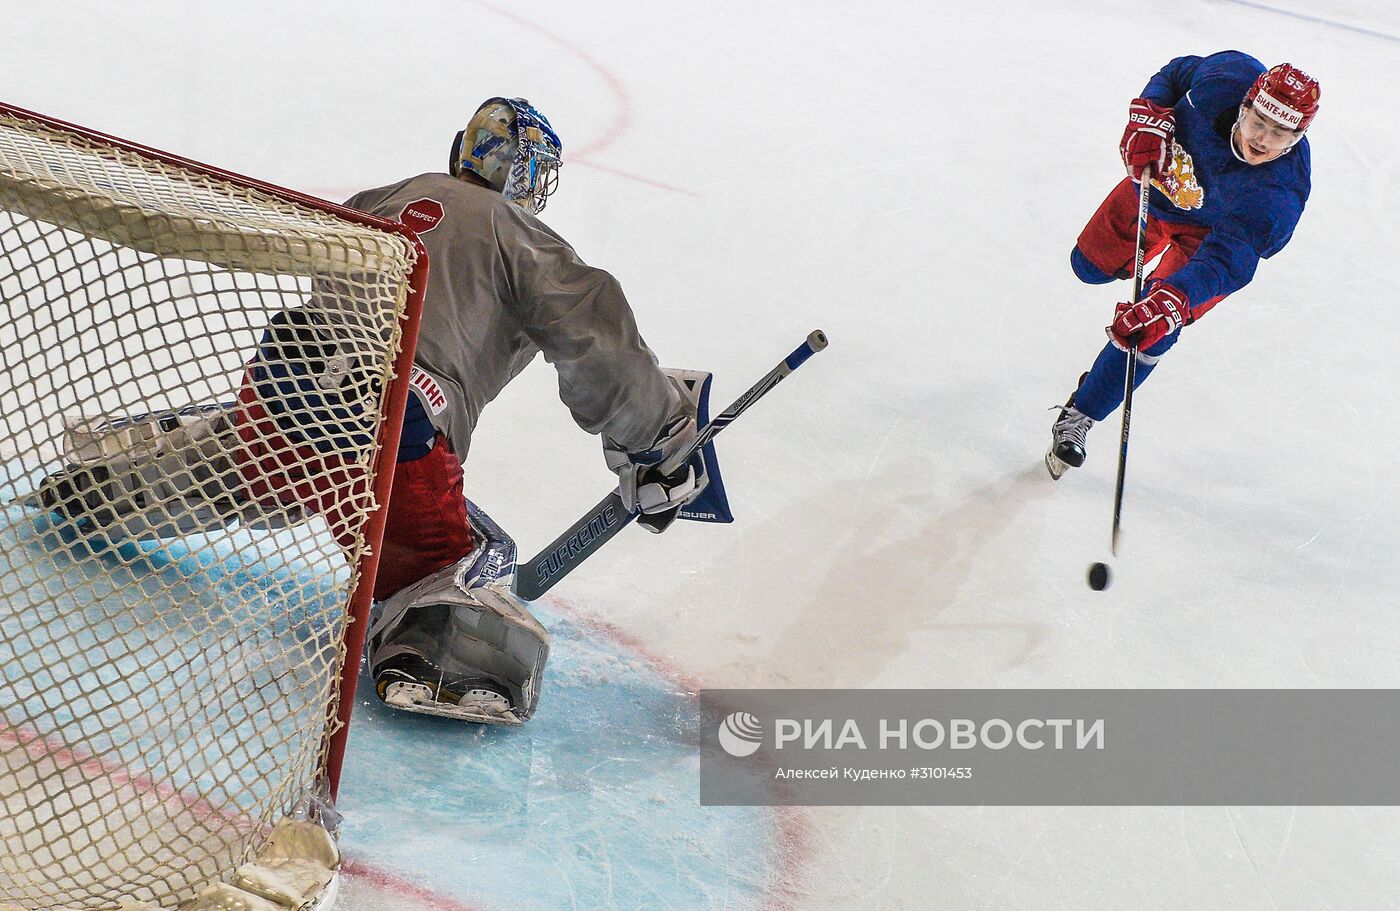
(1067, 440)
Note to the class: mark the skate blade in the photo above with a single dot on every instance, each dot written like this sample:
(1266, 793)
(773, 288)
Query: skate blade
(416, 699)
(1054, 465)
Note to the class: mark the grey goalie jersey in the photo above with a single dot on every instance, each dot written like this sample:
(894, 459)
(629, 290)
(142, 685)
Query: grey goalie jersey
(501, 287)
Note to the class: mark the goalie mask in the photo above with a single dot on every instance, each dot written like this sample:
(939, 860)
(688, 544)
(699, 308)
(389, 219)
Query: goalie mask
(512, 147)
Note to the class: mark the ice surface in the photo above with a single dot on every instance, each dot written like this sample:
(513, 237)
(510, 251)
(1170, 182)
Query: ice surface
(910, 178)
(160, 699)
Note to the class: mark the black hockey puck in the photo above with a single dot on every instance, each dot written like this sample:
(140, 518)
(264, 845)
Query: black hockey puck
(1098, 576)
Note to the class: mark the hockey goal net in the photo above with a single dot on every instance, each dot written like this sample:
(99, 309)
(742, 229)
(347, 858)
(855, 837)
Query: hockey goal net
(178, 654)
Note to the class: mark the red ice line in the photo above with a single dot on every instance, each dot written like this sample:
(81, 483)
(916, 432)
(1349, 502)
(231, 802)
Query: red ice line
(423, 899)
(794, 844)
(794, 838)
(38, 747)
(622, 117)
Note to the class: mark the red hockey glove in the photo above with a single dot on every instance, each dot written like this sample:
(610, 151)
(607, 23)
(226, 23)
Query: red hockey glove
(1147, 140)
(1150, 320)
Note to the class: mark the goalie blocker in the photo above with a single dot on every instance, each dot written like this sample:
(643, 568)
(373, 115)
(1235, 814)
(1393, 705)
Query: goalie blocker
(454, 642)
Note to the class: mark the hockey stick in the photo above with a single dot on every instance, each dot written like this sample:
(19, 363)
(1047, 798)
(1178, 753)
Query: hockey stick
(537, 575)
(1144, 193)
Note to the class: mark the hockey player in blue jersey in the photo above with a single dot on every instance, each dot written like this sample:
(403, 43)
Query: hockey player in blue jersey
(1222, 140)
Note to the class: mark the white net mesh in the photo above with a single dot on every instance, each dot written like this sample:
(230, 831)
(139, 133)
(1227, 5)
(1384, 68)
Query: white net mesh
(193, 377)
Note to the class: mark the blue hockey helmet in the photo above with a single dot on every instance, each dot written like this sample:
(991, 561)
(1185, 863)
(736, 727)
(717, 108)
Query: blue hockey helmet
(512, 147)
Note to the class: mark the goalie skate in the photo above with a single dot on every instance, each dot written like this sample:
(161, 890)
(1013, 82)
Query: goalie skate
(412, 683)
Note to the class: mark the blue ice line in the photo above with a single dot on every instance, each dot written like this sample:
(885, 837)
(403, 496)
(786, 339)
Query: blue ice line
(1320, 20)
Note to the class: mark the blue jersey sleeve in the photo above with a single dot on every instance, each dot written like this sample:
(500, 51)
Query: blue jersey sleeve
(1227, 258)
(1172, 81)
(1224, 264)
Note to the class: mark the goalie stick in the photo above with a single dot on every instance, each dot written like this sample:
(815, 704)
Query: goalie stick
(538, 575)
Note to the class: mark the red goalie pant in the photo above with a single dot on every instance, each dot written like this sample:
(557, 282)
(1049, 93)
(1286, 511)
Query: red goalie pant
(1109, 240)
(426, 528)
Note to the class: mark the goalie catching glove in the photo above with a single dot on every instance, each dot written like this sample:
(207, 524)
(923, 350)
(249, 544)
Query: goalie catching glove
(661, 479)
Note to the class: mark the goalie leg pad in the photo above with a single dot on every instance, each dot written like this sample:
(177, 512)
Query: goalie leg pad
(284, 449)
(150, 475)
(458, 643)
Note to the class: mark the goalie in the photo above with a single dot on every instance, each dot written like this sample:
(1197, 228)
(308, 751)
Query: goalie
(447, 636)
